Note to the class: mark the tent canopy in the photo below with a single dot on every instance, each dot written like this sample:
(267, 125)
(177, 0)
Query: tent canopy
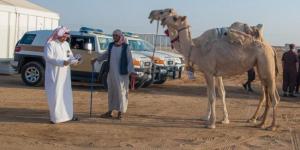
(26, 6)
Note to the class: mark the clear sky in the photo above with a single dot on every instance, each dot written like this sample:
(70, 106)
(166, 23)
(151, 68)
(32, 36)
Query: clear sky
(281, 18)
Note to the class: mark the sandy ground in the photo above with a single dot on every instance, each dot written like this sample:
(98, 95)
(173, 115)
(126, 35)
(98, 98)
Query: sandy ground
(160, 117)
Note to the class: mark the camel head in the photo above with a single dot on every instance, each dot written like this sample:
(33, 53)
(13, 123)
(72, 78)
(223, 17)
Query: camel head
(257, 31)
(160, 14)
(176, 22)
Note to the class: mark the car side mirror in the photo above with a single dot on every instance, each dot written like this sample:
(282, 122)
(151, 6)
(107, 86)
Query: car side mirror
(89, 47)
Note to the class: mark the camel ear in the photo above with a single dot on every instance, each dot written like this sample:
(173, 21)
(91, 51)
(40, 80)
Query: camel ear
(183, 18)
(247, 29)
(259, 30)
(259, 26)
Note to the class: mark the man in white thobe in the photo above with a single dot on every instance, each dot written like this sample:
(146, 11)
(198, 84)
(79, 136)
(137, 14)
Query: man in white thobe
(58, 88)
(120, 69)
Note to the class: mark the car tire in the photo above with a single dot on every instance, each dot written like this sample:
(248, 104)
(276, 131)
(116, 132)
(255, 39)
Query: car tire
(33, 74)
(138, 85)
(147, 84)
(162, 80)
(104, 80)
(179, 73)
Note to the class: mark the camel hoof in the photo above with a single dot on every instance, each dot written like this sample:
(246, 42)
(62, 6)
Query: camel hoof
(271, 128)
(225, 121)
(262, 126)
(210, 126)
(252, 120)
(260, 118)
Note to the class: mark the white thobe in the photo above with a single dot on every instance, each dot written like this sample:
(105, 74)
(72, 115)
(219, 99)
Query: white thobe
(58, 81)
(118, 84)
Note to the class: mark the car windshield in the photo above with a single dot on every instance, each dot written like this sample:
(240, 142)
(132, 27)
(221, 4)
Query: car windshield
(104, 42)
(140, 45)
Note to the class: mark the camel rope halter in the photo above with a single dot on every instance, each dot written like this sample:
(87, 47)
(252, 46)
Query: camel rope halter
(190, 64)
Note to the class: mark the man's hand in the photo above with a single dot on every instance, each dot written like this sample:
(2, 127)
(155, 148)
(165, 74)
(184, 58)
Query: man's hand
(66, 63)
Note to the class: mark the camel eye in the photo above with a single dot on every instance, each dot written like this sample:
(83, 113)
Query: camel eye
(175, 19)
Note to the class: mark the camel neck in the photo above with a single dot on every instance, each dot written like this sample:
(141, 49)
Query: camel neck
(185, 42)
(174, 37)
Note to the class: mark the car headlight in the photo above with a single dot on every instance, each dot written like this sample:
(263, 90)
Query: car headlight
(136, 63)
(157, 60)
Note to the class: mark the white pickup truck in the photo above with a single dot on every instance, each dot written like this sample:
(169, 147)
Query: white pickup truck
(166, 64)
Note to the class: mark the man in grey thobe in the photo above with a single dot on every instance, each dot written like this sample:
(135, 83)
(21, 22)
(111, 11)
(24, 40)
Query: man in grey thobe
(120, 69)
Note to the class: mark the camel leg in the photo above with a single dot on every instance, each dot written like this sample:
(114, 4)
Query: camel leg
(262, 99)
(212, 98)
(260, 118)
(208, 113)
(274, 99)
(265, 114)
(221, 91)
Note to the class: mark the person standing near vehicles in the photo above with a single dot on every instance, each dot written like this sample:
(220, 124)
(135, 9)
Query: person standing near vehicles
(289, 66)
(120, 68)
(57, 54)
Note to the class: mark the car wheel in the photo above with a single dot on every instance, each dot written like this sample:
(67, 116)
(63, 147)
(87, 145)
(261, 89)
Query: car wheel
(162, 80)
(104, 80)
(147, 84)
(179, 73)
(33, 74)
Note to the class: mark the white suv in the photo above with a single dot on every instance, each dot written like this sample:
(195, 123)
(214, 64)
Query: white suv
(89, 43)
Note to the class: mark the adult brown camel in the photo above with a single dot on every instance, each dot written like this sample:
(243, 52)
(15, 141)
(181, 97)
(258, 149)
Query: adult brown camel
(217, 57)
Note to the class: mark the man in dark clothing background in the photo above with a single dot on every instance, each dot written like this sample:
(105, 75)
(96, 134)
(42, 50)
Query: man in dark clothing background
(251, 78)
(289, 66)
(298, 77)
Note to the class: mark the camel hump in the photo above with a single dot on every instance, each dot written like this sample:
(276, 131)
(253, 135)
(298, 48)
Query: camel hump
(243, 27)
(255, 31)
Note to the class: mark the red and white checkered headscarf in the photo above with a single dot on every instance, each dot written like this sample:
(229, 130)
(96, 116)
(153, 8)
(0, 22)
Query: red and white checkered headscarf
(57, 33)
(122, 38)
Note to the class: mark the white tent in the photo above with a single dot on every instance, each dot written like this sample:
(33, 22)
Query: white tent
(17, 17)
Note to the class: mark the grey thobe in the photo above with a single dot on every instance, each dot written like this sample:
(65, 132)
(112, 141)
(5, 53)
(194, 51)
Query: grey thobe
(118, 85)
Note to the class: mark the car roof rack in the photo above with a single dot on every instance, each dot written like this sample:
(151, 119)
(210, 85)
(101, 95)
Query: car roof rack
(130, 34)
(91, 30)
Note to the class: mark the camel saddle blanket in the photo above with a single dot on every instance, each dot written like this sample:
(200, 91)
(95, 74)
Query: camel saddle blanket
(221, 32)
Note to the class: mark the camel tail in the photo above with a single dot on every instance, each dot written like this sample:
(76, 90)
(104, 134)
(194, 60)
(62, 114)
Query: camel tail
(276, 65)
